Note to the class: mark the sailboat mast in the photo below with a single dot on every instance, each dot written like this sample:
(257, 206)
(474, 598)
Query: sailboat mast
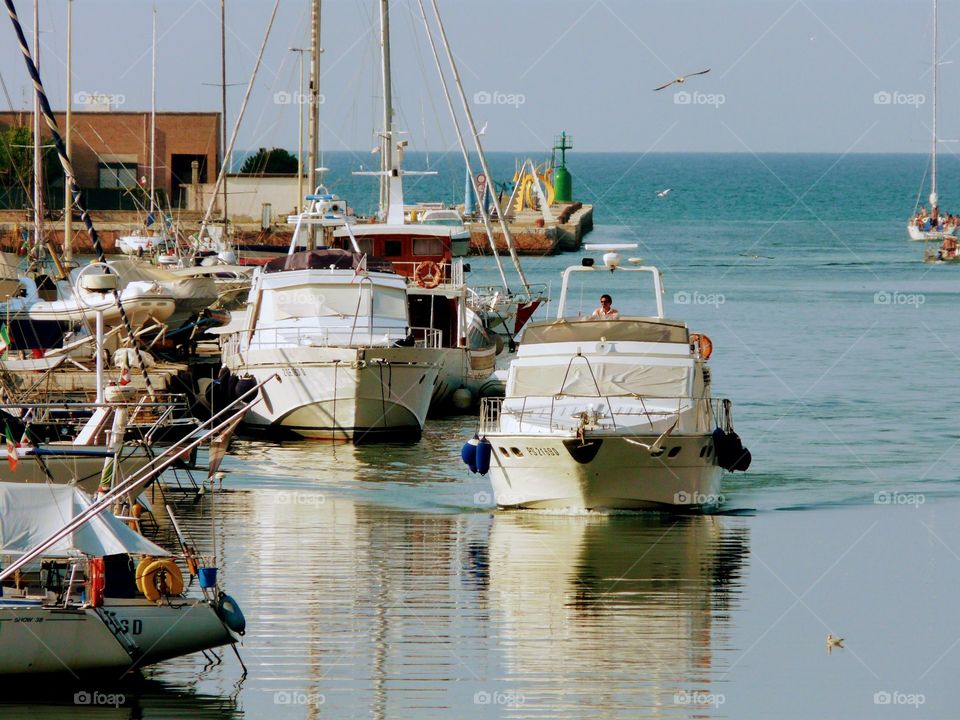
(934, 208)
(37, 154)
(223, 98)
(67, 196)
(313, 121)
(472, 192)
(386, 148)
(313, 153)
(472, 125)
(153, 114)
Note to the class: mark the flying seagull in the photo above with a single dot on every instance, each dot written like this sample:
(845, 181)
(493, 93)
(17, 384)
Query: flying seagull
(664, 193)
(833, 642)
(682, 79)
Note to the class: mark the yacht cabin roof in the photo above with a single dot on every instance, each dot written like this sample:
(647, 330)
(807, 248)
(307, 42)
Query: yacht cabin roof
(636, 329)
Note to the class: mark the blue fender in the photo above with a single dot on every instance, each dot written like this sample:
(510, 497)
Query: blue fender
(231, 614)
(484, 451)
(468, 453)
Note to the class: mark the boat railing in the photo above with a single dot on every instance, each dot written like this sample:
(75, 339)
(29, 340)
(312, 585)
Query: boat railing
(161, 409)
(146, 415)
(344, 336)
(451, 273)
(429, 338)
(488, 299)
(553, 412)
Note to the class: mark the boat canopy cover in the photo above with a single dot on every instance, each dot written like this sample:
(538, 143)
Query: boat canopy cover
(624, 329)
(180, 286)
(647, 377)
(327, 258)
(32, 512)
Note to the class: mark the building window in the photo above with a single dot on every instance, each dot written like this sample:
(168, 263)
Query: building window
(118, 175)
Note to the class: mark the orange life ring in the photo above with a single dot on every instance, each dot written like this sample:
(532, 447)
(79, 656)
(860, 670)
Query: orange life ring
(704, 343)
(161, 578)
(428, 274)
(97, 581)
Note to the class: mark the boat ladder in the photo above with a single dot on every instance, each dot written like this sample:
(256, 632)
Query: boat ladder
(126, 642)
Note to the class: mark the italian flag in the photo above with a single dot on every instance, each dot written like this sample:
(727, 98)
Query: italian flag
(4, 341)
(11, 449)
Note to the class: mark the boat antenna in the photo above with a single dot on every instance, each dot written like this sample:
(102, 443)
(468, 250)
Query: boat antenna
(71, 178)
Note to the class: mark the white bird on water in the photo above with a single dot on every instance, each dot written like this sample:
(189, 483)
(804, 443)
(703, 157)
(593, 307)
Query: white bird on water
(682, 79)
(664, 193)
(833, 642)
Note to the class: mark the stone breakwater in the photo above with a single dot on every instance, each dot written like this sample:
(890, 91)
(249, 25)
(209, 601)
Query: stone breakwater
(531, 235)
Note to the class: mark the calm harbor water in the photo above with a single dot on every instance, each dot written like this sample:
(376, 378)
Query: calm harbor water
(379, 582)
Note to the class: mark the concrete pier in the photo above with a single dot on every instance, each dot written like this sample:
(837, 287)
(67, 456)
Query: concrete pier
(532, 236)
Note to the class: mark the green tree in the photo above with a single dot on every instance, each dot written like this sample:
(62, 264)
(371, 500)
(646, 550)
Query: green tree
(16, 156)
(275, 161)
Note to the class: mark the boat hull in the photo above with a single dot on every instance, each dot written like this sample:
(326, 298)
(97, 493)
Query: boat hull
(138, 244)
(916, 234)
(37, 639)
(68, 465)
(609, 472)
(341, 393)
(468, 369)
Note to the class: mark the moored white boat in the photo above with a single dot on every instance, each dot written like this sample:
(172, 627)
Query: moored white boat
(608, 414)
(79, 607)
(335, 326)
(34, 321)
(471, 323)
(140, 243)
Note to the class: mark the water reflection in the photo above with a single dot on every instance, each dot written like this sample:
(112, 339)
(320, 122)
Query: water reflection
(356, 609)
(109, 700)
(604, 615)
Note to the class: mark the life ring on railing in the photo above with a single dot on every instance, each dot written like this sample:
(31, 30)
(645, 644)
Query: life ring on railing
(428, 274)
(161, 578)
(704, 343)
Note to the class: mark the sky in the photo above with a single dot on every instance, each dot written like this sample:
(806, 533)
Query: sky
(835, 76)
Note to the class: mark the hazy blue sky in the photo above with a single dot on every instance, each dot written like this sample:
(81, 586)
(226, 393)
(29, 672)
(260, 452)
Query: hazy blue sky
(787, 75)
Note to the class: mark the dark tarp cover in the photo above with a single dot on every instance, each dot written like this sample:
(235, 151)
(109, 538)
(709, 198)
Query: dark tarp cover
(325, 259)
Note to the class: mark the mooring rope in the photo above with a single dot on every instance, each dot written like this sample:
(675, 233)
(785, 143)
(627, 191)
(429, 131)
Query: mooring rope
(75, 190)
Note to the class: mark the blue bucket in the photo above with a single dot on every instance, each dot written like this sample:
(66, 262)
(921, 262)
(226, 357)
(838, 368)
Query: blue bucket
(208, 577)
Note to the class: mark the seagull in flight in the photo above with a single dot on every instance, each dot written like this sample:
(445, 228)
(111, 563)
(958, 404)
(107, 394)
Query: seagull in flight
(664, 193)
(483, 130)
(682, 79)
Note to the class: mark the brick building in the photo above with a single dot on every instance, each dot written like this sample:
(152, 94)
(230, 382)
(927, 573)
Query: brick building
(111, 150)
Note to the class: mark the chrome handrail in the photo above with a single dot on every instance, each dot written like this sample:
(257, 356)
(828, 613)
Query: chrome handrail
(492, 411)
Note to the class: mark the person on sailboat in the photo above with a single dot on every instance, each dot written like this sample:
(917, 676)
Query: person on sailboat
(606, 311)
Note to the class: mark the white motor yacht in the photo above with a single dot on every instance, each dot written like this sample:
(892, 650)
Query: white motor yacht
(608, 414)
(334, 324)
